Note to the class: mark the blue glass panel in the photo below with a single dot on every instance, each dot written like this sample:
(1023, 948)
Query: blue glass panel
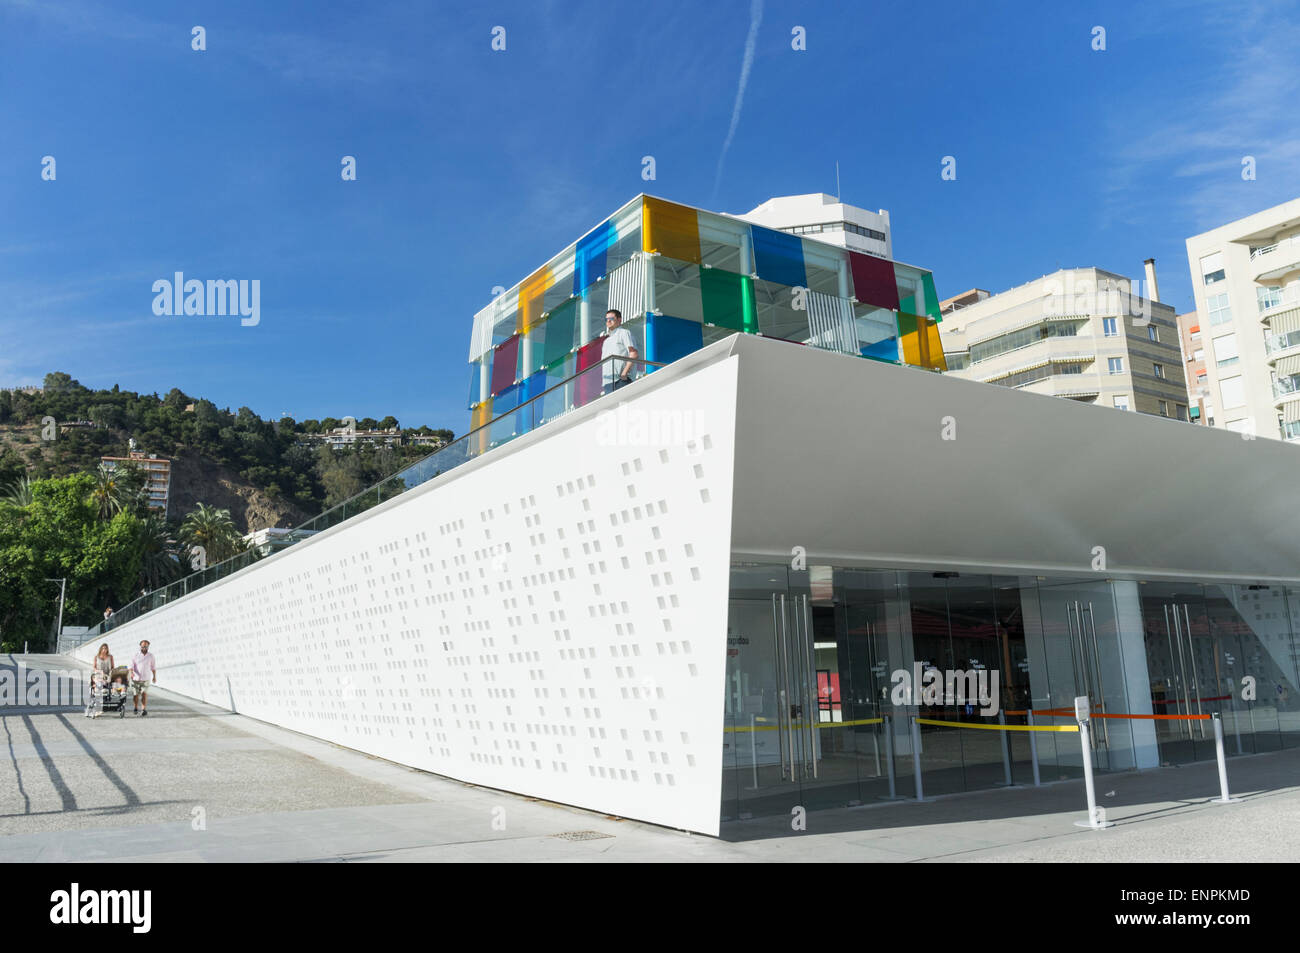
(668, 338)
(507, 400)
(778, 257)
(886, 350)
(590, 261)
(532, 386)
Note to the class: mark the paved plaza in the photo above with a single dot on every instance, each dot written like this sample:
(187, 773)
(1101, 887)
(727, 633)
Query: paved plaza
(196, 783)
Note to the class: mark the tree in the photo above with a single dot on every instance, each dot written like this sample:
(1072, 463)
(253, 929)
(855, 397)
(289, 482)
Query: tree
(19, 492)
(160, 560)
(59, 535)
(214, 531)
(388, 423)
(111, 494)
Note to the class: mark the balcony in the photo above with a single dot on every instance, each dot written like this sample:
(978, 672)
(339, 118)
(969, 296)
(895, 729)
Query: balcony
(1278, 346)
(1074, 386)
(1286, 389)
(1276, 262)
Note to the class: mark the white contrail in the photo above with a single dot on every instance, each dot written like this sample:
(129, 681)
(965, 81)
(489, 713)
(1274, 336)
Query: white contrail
(751, 41)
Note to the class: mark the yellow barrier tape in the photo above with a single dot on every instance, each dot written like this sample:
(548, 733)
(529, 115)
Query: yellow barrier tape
(816, 724)
(963, 724)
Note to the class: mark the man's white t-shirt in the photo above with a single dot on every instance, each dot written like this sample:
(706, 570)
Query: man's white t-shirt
(618, 343)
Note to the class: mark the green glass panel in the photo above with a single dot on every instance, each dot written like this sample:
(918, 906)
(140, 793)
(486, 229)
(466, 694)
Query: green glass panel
(931, 299)
(559, 332)
(728, 300)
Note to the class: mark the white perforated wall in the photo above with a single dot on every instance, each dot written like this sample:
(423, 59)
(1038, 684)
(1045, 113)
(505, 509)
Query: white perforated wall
(550, 619)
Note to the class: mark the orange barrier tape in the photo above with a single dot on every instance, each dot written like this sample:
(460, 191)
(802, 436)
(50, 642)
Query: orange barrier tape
(1159, 717)
(1069, 713)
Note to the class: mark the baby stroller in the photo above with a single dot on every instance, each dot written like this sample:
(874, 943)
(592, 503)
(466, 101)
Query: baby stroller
(108, 694)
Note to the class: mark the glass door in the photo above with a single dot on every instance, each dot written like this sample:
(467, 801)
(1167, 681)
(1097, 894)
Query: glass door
(1181, 663)
(808, 679)
(763, 731)
(1083, 658)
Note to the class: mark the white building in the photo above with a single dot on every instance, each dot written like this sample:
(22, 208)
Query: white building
(1246, 280)
(608, 614)
(1081, 333)
(827, 219)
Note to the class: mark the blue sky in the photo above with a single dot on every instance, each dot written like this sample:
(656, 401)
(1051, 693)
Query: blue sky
(474, 166)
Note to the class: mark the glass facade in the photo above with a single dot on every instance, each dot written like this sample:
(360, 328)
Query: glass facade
(684, 278)
(820, 662)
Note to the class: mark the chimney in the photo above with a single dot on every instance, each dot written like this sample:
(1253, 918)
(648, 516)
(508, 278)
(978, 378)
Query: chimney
(1153, 290)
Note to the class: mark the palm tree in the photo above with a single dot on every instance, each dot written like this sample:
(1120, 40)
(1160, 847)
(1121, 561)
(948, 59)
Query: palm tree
(109, 495)
(19, 493)
(160, 561)
(214, 531)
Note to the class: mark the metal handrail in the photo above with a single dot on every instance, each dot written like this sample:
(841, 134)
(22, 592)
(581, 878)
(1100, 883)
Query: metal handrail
(413, 475)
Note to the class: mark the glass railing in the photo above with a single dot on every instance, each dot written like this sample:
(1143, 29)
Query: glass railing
(554, 402)
(1286, 385)
(1288, 296)
(1281, 342)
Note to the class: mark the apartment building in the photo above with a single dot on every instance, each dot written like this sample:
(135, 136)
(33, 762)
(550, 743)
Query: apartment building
(1246, 281)
(1080, 333)
(1194, 369)
(157, 473)
(826, 219)
(340, 438)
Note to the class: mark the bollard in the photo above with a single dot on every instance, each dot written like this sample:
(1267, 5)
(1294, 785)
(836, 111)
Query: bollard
(889, 757)
(1033, 750)
(1224, 797)
(916, 758)
(1006, 750)
(1094, 820)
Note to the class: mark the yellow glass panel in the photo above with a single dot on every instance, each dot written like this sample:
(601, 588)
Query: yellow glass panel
(482, 414)
(934, 346)
(919, 336)
(672, 230)
(530, 298)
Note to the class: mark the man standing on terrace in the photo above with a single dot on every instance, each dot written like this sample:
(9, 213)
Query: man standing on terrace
(618, 343)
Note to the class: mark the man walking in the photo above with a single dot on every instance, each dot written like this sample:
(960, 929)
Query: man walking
(618, 343)
(144, 671)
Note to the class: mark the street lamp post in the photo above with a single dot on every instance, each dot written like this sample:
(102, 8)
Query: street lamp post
(63, 588)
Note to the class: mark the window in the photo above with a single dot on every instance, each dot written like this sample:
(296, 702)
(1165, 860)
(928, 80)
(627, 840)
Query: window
(1115, 365)
(1121, 401)
(1181, 410)
(1014, 340)
(835, 227)
(1109, 328)
(1225, 350)
(1233, 391)
(1020, 378)
(1220, 312)
(1269, 297)
(1212, 268)
(1164, 408)
(1152, 333)
(1198, 355)
(1158, 370)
